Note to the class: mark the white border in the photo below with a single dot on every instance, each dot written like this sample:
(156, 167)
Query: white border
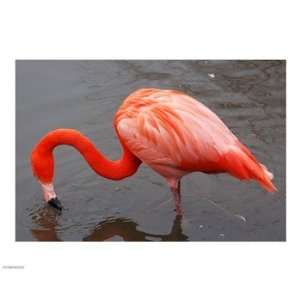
(157, 29)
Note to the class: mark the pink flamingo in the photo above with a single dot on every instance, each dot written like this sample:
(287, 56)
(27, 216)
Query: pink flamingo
(170, 132)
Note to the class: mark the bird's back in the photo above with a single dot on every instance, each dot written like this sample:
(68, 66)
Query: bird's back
(176, 134)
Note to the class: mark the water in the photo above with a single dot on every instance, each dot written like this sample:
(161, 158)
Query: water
(248, 95)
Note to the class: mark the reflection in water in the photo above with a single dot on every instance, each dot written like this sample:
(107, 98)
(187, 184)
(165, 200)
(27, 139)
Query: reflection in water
(46, 219)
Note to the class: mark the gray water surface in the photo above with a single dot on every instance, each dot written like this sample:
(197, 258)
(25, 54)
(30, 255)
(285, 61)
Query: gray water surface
(248, 95)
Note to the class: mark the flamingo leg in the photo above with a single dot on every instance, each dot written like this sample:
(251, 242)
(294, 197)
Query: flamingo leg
(175, 189)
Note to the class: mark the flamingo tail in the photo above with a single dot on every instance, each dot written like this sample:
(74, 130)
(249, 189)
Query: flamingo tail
(242, 164)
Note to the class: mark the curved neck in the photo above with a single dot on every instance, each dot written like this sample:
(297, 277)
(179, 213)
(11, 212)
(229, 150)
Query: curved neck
(43, 162)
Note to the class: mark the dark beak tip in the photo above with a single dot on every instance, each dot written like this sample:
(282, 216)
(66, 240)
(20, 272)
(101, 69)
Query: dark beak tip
(54, 202)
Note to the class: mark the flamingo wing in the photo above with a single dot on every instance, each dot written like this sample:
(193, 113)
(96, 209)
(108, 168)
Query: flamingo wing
(176, 134)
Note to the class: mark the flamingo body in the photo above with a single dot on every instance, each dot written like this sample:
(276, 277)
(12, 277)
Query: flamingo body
(175, 134)
(169, 131)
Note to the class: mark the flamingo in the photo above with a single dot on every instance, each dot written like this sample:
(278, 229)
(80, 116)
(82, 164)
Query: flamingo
(170, 132)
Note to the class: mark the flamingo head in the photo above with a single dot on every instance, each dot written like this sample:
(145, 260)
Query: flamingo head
(50, 196)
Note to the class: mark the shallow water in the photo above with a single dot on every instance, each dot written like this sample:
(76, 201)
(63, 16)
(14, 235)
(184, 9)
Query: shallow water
(248, 95)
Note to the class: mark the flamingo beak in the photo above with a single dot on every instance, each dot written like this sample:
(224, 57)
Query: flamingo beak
(50, 196)
(54, 202)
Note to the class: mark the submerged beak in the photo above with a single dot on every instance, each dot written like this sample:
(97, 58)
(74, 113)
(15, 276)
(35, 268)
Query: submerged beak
(54, 202)
(50, 196)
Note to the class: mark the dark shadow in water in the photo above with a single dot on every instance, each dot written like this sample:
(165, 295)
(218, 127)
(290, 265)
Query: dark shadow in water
(125, 228)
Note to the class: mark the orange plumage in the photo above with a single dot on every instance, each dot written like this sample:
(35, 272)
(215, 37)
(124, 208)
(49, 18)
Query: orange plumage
(175, 134)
